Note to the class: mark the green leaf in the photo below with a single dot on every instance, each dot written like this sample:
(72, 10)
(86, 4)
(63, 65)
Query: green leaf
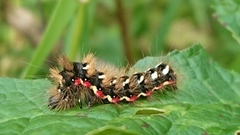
(207, 102)
(227, 13)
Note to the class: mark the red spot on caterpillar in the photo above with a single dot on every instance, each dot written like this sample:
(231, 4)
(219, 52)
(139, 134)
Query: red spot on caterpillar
(87, 84)
(100, 94)
(133, 98)
(148, 93)
(115, 100)
(77, 81)
(171, 82)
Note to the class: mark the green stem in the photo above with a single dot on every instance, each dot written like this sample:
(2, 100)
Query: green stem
(78, 31)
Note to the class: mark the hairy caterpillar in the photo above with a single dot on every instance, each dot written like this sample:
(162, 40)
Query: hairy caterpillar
(92, 81)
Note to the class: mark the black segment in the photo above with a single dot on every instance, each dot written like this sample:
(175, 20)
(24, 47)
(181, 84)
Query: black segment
(79, 71)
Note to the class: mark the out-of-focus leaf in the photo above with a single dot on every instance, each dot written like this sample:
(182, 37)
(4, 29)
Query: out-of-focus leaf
(227, 12)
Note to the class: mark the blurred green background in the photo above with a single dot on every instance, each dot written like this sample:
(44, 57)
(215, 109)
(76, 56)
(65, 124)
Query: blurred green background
(34, 32)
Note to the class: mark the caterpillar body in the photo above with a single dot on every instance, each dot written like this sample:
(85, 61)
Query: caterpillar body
(92, 81)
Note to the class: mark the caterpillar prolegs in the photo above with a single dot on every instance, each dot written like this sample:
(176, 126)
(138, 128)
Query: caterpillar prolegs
(92, 81)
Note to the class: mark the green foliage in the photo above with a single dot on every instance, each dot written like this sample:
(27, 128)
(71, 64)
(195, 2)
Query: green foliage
(61, 16)
(207, 102)
(169, 16)
(78, 27)
(227, 12)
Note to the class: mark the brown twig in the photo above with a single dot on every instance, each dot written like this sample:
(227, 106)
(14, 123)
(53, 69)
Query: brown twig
(121, 15)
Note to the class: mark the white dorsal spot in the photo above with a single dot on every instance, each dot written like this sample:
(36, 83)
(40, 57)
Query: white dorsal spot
(165, 70)
(86, 67)
(101, 76)
(154, 75)
(126, 82)
(114, 81)
(141, 79)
